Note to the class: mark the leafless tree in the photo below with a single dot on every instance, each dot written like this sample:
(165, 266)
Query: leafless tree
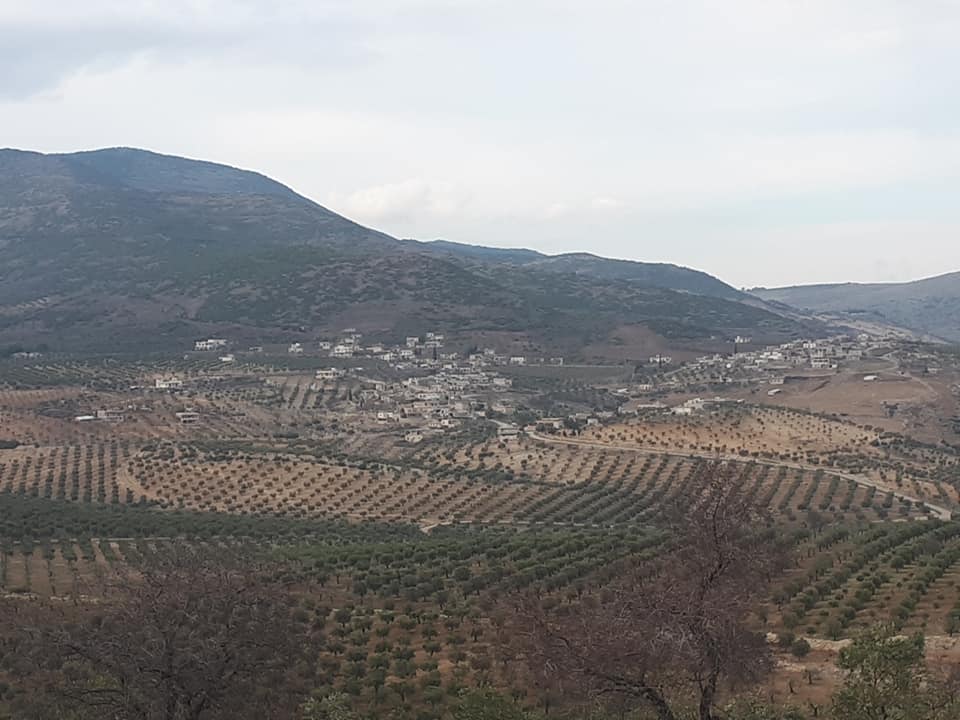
(186, 635)
(669, 631)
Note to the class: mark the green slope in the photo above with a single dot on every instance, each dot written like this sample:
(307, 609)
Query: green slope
(929, 307)
(124, 248)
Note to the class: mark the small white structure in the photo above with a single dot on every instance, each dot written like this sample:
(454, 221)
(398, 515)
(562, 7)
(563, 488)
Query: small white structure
(518, 360)
(414, 437)
(295, 349)
(774, 392)
(111, 416)
(869, 378)
(172, 383)
(507, 431)
(210, 344)
(228, 358)
(188, 417)
(412, 342)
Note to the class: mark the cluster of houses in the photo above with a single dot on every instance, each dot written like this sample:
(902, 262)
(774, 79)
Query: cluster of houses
(423, 351)
(775, 362)
(416, 351)
(428, 404)
(440, 401)
(103, 415)
(350, 345)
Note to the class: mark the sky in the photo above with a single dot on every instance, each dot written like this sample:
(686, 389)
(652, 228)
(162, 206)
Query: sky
(768, 142)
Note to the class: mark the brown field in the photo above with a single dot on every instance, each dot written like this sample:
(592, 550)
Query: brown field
(269, 445)
(796, 438)
(912, 405)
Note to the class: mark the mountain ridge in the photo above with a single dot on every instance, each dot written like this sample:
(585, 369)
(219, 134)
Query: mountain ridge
(929, 306)
(660, 274)
(122, 246)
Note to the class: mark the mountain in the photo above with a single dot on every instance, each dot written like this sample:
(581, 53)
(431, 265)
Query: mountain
(927, 307)
(127, 249)
(661, 275)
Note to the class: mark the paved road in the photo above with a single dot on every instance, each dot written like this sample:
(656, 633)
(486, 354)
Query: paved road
(942, 513)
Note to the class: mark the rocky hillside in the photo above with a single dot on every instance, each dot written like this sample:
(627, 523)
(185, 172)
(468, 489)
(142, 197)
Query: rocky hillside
(927, 307)
(123, 249)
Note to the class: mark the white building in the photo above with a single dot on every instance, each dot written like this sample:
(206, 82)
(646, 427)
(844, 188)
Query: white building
(295, 349)
(111, 416)
(330, 373)
(172, 383)
(210, 344)
(507, 431)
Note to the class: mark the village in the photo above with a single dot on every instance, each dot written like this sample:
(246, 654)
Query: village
(421, 389)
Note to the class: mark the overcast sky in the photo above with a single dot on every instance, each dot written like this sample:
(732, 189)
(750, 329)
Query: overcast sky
(766, 142)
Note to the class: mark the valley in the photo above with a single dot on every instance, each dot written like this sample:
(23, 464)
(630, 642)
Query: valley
(408, 490)
(424, 460)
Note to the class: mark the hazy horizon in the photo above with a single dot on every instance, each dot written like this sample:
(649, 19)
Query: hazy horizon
(766, 143)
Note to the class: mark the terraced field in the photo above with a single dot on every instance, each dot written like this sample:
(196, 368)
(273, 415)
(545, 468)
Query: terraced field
(537, 485)
(847, 578)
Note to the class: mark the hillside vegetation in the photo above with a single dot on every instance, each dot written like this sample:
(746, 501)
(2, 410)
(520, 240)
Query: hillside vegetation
(929, 307)
(132, 249)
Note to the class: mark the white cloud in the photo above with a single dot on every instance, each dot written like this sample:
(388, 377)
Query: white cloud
(407, 201)
(640, 129)
(605, 203)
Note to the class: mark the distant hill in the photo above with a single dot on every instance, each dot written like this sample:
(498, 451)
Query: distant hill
(128, 249)
(928, 307)
(661, 275)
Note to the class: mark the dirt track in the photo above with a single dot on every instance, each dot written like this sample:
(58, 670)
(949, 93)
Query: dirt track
(942, 513)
